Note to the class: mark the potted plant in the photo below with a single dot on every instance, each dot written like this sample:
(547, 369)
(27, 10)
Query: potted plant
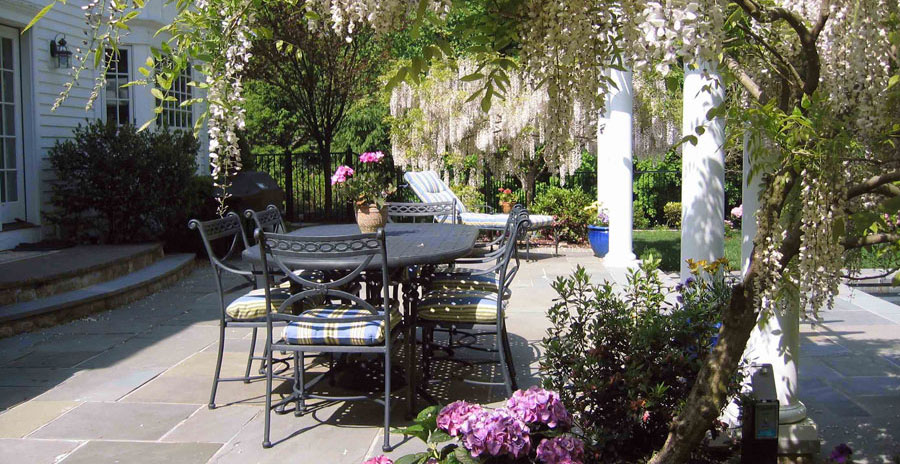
(598, 233)
(507, 199)
(369, 187)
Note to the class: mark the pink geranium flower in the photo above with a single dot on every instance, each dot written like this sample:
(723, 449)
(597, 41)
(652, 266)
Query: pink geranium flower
(371, 157)
(737, 211)
(341, 174)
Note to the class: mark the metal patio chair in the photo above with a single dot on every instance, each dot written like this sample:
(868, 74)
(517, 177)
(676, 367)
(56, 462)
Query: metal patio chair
(473, 302)
(440, 212)
(247, 310)
(357, 326)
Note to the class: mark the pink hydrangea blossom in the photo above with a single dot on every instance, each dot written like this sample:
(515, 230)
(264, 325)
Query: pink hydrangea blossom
(538, 406)
(379, 460)
(495, 432)
(737, 211)
(341, 174)
(454, 415)
(561, 450)
(371, 157)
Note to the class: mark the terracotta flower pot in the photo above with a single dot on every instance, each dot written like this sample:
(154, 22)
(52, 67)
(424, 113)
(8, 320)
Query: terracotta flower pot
(370, 217)
(507, 206)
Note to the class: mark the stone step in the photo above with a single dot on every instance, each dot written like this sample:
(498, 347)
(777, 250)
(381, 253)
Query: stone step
(43, 312)
(60, 271)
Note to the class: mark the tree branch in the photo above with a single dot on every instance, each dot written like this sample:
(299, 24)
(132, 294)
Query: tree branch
(869, 240)
(746, 81)
(872, 183)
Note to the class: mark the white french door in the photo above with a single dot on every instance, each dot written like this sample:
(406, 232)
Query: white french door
(12, 175)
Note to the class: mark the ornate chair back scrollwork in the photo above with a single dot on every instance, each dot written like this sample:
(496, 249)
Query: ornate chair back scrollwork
(320, 325)
(442, 212)
(269, 220)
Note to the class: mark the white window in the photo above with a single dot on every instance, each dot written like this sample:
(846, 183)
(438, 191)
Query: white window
(118, 98)
(173, 114)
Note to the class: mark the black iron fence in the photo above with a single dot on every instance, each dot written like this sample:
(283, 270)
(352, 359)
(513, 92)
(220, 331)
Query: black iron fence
(303, 176)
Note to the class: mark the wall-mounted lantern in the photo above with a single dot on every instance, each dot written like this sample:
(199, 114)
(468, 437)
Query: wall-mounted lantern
(59, 51)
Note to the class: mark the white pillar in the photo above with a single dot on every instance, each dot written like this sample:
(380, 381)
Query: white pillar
(703, 168)
(776, 338)
(614, 165)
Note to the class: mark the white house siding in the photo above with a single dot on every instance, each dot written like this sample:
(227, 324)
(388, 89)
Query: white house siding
(42, 83)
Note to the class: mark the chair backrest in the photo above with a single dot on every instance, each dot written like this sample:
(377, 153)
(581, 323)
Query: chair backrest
(269, 219)
(229, 228)
(444, 211)
(276, 249)
(429, 187)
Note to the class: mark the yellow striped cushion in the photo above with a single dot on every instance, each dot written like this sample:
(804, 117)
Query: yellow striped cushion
(459, 306)
(253, 304)
(331, 331)
(462, 281)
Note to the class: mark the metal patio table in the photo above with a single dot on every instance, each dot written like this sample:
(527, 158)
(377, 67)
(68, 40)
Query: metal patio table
(408, 244)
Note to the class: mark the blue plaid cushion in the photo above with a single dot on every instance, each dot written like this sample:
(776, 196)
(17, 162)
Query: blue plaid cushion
(331, 331)
(459, 306)
(253, 304)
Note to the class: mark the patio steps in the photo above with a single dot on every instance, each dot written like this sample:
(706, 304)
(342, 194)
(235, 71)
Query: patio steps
(130, 284)
(50, 273)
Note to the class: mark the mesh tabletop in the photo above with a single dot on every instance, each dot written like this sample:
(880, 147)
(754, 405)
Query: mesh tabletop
(407, 245)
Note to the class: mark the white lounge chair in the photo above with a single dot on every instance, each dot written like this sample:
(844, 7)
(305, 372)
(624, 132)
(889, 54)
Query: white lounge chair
(429, 187)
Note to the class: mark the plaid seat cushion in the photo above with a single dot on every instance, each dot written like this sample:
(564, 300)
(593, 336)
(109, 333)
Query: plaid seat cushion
(331, 331)
(252, 305)
(459, 306)
(463, 281)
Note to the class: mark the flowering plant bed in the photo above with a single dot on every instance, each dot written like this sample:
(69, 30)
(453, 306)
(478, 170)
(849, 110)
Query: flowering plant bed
(533, 427)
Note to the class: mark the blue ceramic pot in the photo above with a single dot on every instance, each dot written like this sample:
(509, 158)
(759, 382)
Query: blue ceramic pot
(599, 238)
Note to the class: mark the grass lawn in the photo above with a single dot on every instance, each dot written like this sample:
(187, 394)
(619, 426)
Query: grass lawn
(667, 243)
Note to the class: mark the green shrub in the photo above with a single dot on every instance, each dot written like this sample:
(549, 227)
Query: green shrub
(625, 361)
(117, 185)
(640, 219)
(672, 213)
(568, 206)
(470, 196)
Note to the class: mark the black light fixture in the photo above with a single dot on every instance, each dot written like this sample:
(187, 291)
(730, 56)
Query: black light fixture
(59, 51)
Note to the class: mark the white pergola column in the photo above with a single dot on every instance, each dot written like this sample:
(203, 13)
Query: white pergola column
(775, 339)
(614, 167)
(702, 168)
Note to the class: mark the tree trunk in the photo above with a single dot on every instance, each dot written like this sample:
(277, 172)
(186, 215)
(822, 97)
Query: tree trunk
(530, 178)
(325, 156)
(709, 393)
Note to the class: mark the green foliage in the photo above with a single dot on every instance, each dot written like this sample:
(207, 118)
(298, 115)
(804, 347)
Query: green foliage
(470, 196)
(569, 208)
(119, 185)
(624, 361)
(672, 213)
(658, 183)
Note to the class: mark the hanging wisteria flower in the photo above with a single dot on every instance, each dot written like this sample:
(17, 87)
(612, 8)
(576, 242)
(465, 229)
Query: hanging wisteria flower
(561, 450)
(379, 460)
(538, 406)
(371, 157)
(341, 174)
(495, 432)
(454, 415)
